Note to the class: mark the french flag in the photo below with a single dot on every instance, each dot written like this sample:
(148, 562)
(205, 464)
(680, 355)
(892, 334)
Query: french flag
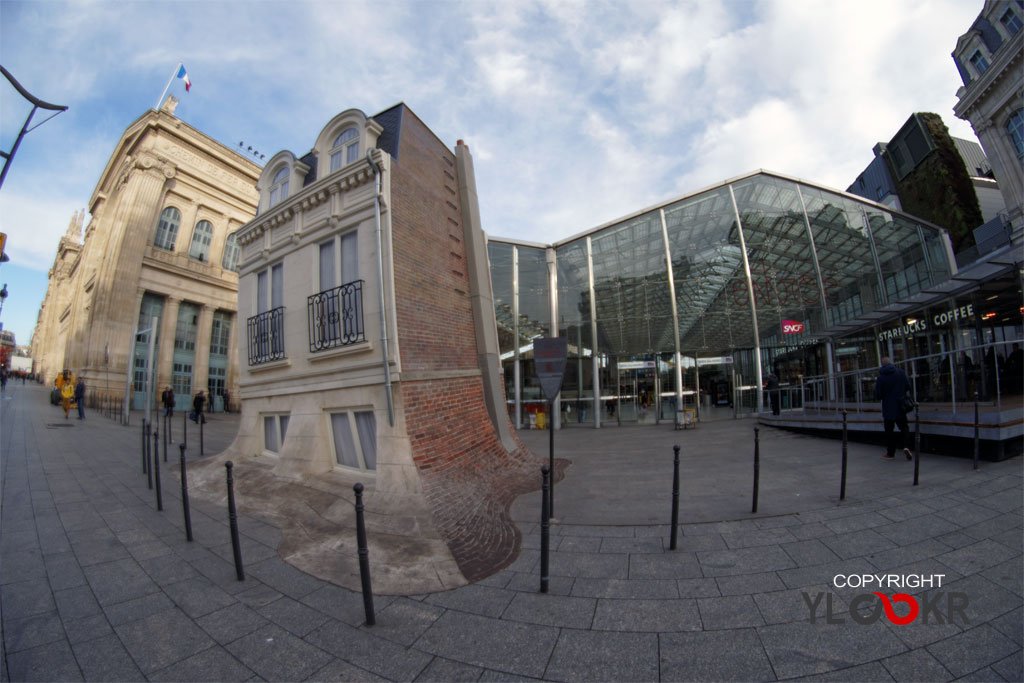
(182, 74)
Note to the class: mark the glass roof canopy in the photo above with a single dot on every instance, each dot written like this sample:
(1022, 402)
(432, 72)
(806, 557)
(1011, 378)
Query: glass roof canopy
(718, 270)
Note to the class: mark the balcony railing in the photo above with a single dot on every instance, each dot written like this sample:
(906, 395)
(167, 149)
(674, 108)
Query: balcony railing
(266, 336)
(336, 317)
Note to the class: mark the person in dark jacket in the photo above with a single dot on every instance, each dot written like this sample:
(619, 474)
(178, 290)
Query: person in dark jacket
(80, 398)
(198, 403)
(772, 386)
(890, 388)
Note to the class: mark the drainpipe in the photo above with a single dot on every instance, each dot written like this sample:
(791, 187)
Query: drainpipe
(380, 283)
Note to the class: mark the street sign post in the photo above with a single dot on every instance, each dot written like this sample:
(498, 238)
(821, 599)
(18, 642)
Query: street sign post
(549, 356)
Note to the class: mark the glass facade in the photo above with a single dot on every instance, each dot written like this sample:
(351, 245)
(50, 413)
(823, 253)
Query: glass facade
(696, 300)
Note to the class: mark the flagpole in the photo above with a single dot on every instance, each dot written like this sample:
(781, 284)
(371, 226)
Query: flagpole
(167, 87)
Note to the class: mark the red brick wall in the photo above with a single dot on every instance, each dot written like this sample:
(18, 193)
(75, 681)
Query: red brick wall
(468, 477)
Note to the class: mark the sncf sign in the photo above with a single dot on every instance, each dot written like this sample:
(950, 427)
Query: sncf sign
(792, 327)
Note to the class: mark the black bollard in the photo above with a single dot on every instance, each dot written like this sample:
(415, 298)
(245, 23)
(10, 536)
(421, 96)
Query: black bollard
(202, 421)
(757, 467)
(977, 440)
(364, 557)
(236, 544)
(149, 461)
(184, 427)
(545, 527)
(166, 438)
(156, 469)
(145, 467)
(675, 500)
(842, 478)
(917, 442)
(551, 454)
(169, 428)
(184, 496)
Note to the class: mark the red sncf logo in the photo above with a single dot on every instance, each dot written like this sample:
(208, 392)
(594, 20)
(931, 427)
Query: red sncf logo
(792, 327)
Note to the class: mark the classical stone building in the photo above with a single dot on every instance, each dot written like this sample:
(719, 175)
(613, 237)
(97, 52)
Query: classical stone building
(160, 242)
(989, 59)
(370, 354)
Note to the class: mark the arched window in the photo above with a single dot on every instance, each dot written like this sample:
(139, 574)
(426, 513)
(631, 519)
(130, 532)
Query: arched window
(231, 251)
(1015, 127)
(345, 149)
(279, 186)
(201, 238)
(167, 230)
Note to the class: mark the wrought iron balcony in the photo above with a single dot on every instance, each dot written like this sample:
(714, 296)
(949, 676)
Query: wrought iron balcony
(336, 317)
(266, 336)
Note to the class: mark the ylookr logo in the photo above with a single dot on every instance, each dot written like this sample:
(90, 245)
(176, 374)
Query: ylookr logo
(939, 607)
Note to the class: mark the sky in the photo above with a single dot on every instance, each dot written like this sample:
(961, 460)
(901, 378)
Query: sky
(577, 112)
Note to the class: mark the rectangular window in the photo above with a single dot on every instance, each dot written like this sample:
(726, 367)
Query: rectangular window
(181, 379)
(220, 334)
(979, 62)
(355, 439)
(352, 153)
(1011, 21)
(277, 285)
(275, 428)
(185, 330)
(335, 161)
(215, 385)
(349, 257)
(265, 330)
(327, 266)
(139, 373)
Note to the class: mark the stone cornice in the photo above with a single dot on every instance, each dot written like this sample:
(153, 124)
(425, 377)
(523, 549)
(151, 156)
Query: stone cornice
(309, 198)
(1005, 65)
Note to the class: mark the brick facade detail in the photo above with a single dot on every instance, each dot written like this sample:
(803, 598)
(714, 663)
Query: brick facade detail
(468, 477)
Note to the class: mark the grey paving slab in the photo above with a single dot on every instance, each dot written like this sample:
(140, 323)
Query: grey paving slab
(1011, 668)
(974, 558)
(105, 659)
(798, 604)
(213, 664)
(551, 610)
(747, 584)
(339, 670)
(231, 623)
(652, 616)
(162, 639)
(803, 649)
(649, 544)
(63, 571)
(809, 552)
(530, 583)
(973, 649)
(50, 662)
(577, 544)
(916, 665)
(873, 671)
(403, 621)
(117, 581)
(1011, 625)
(21, 566)
(620, 588)
(592, 565)
(197, 597)
(667, 566)
(363, 649)
(731, 612)
(758, 537)
(138, 608)
(591, 656)
(505, 646)
(341, 603)
(743, 561)
(858, 543)
(697, 588)
(713, 656)
(443, 670)
(276, 655)
(986, 600)
(29, 632)
(293, 616)
(1009, 575)
(482, 600)
(283, 577)
(89, 628)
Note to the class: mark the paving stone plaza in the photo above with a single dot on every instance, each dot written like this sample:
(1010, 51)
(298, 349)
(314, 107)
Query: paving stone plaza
(97, 584)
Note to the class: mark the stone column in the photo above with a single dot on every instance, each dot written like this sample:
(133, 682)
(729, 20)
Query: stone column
(231, 380)
(201, 369)
(168, 328)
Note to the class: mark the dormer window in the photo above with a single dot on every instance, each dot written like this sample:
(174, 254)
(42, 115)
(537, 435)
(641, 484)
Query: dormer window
(1011, 21)
(201, 238)
(979, 62)
(345, 149)
(279, 187)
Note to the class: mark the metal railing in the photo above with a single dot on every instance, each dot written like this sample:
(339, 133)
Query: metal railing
(335, 317)
(266, 336)
(949, 377)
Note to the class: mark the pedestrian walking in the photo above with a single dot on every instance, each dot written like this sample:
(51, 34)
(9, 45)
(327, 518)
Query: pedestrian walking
(891, 388)
(198, 403)
(80, 397)
(167, 398)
